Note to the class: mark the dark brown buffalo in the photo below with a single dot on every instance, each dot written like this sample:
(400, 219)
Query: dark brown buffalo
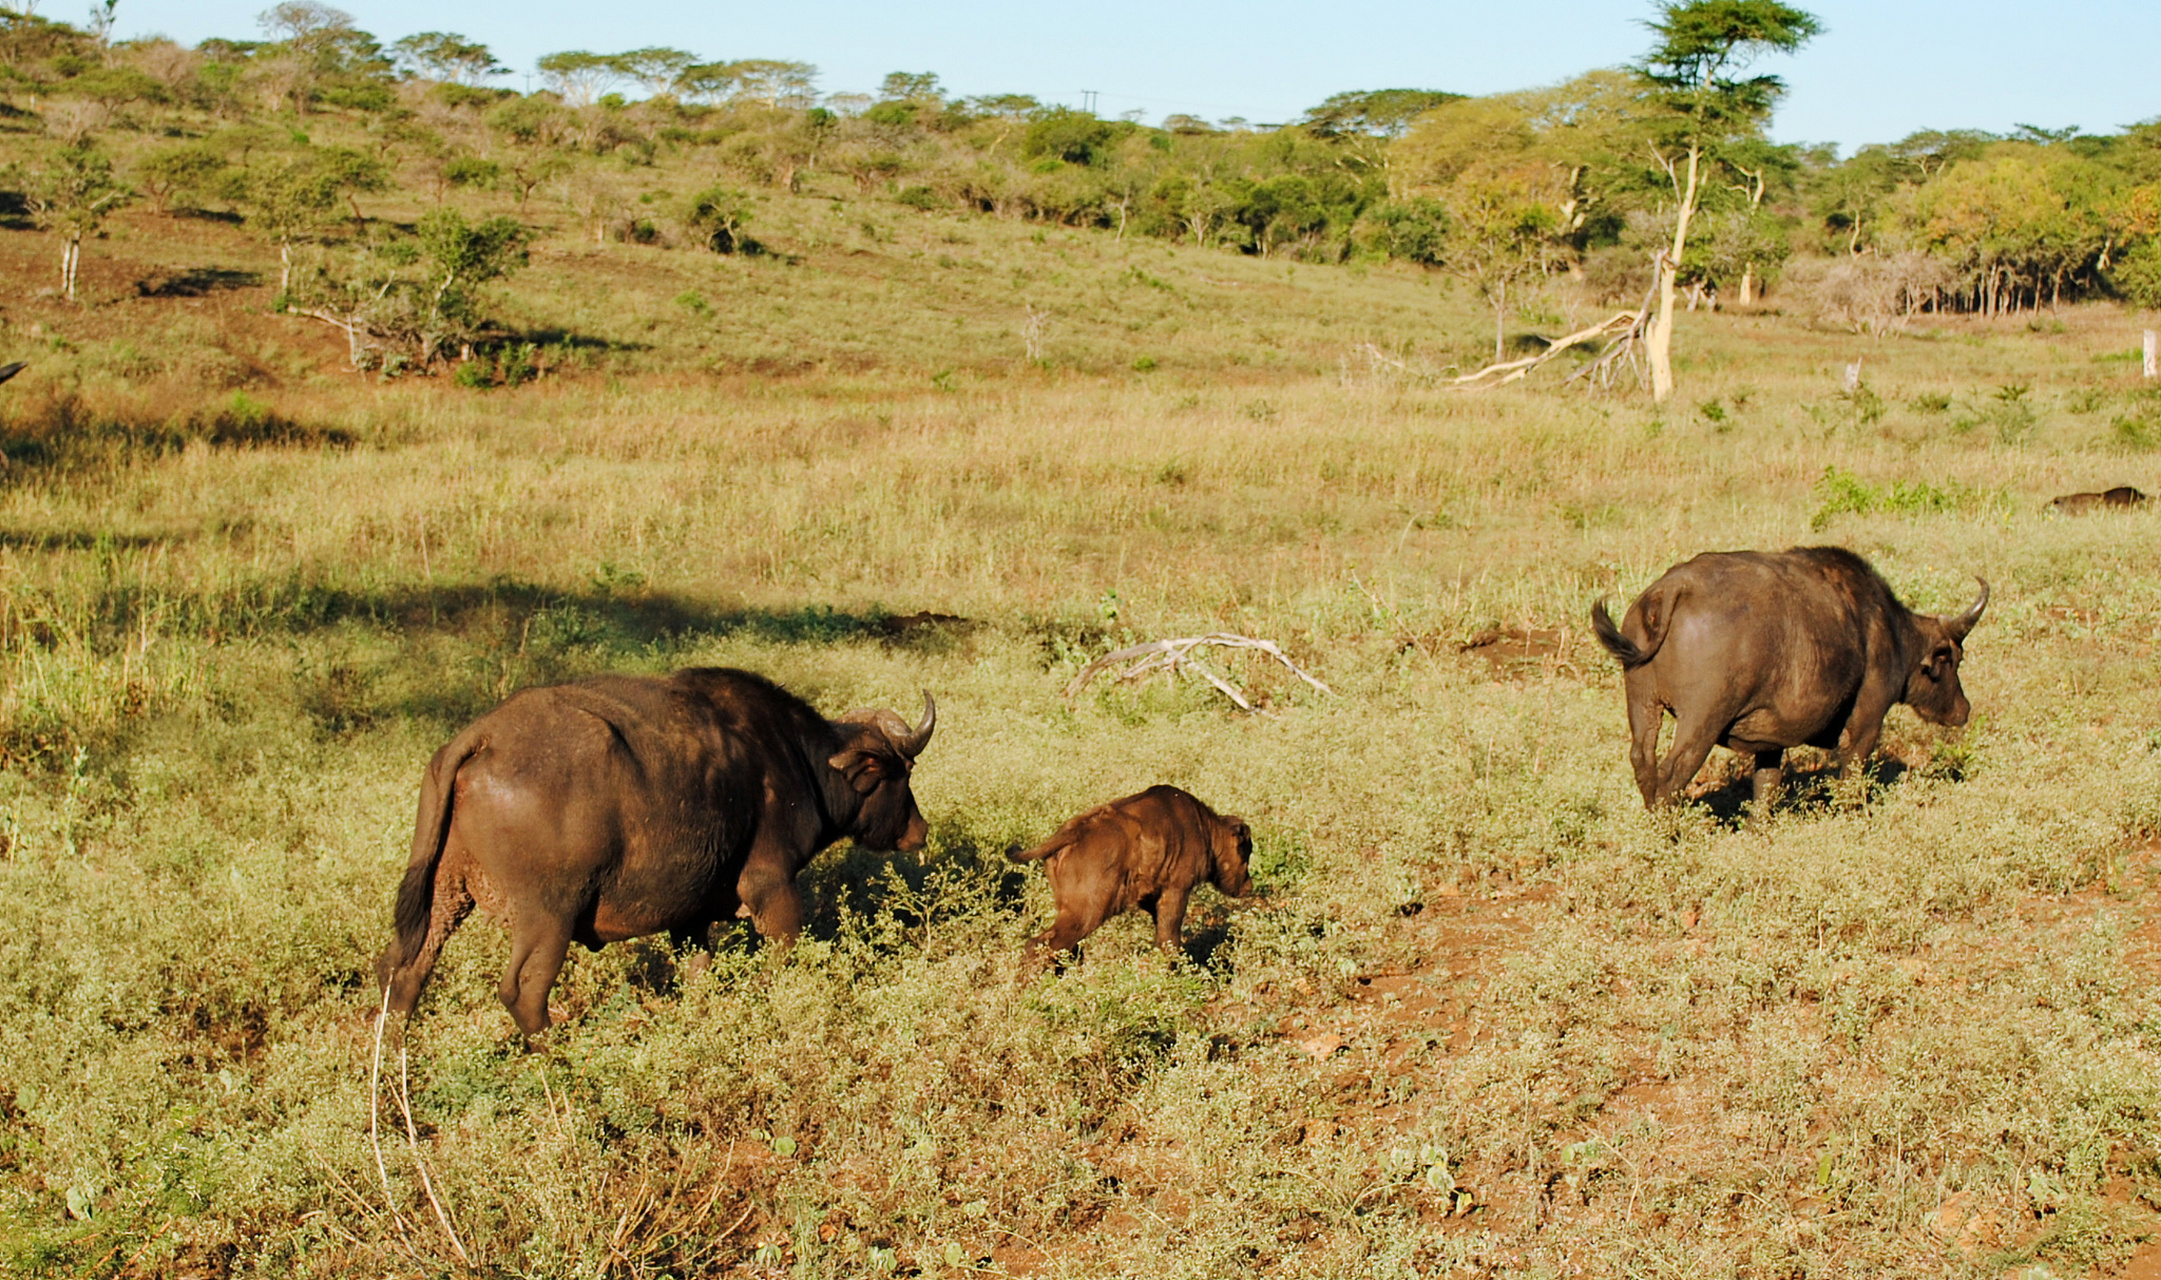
(1145, 852)
(626, 805)
(1759, 651)
(2122, 497)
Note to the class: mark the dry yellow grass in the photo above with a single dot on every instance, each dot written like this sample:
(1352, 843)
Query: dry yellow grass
(1490, 1018)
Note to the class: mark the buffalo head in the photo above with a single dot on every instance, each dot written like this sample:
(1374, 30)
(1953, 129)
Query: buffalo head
(1933, 690)
(877, 754)
(1232, 847)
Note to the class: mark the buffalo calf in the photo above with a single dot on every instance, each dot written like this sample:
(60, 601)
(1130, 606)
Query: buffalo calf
(1145, 852)
(1759, 651)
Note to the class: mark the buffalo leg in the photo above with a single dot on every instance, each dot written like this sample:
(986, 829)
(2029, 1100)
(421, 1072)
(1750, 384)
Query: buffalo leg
(698, 940)
(1170, 914)
(537, 948)
(453, 902)
(1644, 721)
(769, 896)
(1769, 774)
(1063, 936)
(1692, 743)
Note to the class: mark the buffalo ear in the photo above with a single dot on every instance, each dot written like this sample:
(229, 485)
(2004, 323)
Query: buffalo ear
(863, 769)
(1241, 846)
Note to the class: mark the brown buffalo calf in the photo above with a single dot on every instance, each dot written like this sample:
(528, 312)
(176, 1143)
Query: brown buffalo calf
(1146, 852)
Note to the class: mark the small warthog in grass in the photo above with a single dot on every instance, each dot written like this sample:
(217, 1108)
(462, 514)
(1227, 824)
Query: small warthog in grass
(1146, 852)
(2122, 498)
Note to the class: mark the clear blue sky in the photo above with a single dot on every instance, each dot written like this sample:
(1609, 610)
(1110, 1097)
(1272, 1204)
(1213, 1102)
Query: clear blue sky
(1883, 68)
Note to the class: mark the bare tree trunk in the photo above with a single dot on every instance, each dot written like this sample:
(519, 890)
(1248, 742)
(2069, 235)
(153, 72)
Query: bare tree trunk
(70, 259)
(1748, 284)
(1658, 340)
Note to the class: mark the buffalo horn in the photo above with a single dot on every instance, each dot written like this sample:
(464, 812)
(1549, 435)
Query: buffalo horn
(911, 743)
(1964, 623)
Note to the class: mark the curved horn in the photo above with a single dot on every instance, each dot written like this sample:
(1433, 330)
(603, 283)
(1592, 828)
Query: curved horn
(911, 743)
(1963, 623)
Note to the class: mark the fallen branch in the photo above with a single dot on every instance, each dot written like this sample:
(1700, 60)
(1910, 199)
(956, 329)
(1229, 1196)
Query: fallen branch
(360, 336)
(1177, 655)
(1510, 370)
(1623, 345)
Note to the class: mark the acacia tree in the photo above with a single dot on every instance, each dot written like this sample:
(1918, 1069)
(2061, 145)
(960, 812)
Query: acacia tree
(73, 195)
(447, 57)
(1502, 226)
(1693, 77)
(424, 294)
(578, 76)
(288, 201)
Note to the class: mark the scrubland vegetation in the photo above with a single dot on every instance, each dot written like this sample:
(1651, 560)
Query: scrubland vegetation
(1487, 1016)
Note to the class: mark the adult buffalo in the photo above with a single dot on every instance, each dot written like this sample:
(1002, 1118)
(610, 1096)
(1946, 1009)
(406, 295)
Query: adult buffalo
(1760, 651)
(627, 805)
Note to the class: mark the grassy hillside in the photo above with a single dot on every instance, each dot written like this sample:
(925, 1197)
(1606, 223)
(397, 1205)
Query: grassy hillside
(1489, 1018)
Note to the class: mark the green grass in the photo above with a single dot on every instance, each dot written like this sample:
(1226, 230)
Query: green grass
(1490, 1017)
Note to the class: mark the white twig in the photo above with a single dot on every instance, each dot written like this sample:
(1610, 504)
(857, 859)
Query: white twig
(375, 1111)
(1174, 655)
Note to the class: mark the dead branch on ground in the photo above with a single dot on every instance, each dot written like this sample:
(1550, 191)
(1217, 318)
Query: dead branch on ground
(1177, 655)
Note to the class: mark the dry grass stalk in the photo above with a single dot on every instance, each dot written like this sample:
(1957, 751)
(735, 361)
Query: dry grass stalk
(412, 1136)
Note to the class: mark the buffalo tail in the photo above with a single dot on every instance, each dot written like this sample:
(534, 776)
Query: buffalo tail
(1631, 654)
(1041, 851)
(416, 893)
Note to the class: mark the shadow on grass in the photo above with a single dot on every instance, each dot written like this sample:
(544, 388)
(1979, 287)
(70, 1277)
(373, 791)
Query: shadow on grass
(196, 282)
(82, 540)
(566, 340)
(66, 431)
(1813, 789)
(514, 635)
(906, 898)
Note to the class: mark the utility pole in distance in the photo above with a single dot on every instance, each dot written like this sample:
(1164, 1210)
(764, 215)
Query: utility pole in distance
(1088, 101)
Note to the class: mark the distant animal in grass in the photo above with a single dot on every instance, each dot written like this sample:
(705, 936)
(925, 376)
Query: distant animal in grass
(2122, 498)
(1759, 651)
(10, 370)
(1146, 852)
(626, 805)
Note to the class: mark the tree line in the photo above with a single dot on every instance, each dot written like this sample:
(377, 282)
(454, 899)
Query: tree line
(1653, 182)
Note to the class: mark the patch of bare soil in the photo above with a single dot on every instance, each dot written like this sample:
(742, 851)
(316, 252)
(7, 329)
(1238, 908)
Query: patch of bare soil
(1521, 651)
(148, 270)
